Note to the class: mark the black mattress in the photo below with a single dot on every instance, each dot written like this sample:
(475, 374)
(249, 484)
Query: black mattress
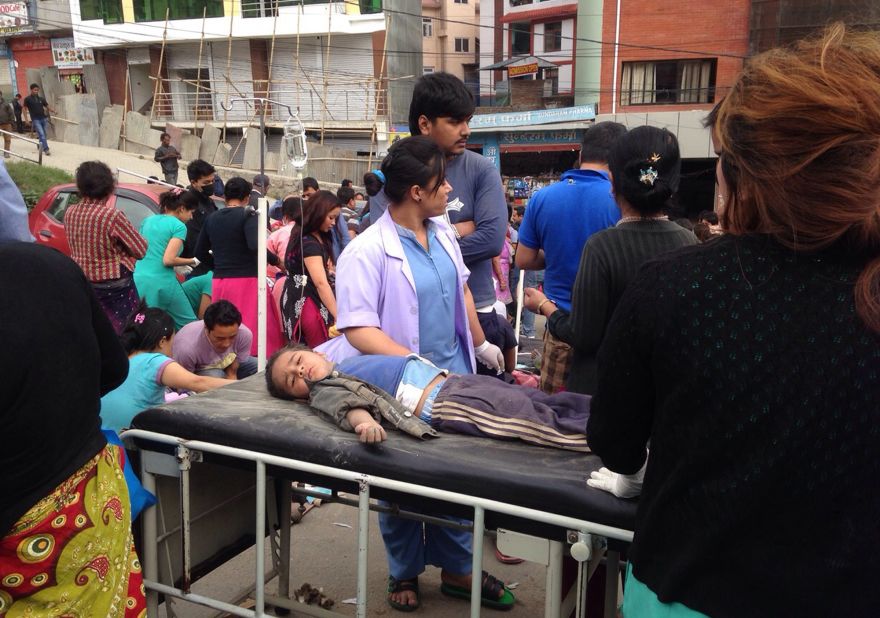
(245, 416)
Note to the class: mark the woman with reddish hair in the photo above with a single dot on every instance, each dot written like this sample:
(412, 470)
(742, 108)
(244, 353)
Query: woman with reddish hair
(751, 363)
(308, 302)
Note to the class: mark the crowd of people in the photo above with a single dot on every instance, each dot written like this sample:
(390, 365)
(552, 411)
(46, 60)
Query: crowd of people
(726, 370)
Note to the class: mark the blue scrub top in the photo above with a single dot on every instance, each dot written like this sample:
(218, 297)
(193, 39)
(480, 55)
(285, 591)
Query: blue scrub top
(436, 280)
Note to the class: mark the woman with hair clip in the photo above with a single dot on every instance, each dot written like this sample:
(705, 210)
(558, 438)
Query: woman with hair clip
(147, 339)
(308, 301)
(645, 169)
(751, 363)
(155, 274)
(228, 240)
(402, 289)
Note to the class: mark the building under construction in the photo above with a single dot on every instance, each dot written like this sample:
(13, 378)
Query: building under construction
(199, 62)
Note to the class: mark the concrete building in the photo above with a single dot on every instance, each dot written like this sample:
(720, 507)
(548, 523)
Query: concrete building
(36, 35)
(450, 39)
(323, 59)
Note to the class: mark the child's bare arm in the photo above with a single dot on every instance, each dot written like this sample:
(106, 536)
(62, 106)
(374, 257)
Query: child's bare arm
(365, 426)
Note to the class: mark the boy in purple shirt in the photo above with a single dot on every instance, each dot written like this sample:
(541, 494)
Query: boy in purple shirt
(219, 345)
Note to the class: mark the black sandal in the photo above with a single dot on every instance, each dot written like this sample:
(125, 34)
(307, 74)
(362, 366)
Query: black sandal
(403, 585)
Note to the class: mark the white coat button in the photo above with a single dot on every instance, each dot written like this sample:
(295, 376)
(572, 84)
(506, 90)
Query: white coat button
(407, 413)
(413, 310)
(415, 341)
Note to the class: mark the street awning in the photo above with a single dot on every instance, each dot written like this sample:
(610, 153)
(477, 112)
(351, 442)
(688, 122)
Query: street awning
(520, 60)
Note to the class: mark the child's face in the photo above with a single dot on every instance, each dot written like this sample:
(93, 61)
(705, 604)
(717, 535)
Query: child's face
(293, 368)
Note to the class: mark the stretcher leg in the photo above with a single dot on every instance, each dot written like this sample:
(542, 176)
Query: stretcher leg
(612, 576)
(283, 565)
(363, 545)
(479, 536)
(150, 550)
(553, 585)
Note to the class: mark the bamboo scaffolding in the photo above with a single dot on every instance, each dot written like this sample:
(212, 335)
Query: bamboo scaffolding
(199, 74)
(159, 70)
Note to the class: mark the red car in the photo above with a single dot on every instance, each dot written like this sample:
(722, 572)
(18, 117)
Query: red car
(46, 220)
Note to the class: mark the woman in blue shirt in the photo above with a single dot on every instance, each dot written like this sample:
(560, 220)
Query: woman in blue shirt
(147, 340)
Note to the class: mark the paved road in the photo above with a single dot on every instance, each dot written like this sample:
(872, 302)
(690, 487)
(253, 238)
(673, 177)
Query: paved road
(324, 554)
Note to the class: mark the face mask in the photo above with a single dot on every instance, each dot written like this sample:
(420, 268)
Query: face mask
(208, 190)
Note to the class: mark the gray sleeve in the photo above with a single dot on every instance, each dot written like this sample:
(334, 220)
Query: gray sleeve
(13, 212)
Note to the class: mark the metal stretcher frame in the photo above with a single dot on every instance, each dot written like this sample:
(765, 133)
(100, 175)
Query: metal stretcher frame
(587, 538)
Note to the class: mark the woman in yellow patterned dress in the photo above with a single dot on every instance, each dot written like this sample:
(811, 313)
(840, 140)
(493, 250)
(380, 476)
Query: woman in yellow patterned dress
(66, 547)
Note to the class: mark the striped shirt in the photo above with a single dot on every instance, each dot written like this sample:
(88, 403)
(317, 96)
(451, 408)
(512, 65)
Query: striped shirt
(102, 239)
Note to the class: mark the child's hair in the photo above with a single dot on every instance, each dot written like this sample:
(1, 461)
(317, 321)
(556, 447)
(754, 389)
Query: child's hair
(173, 200)
(291, 207)
(145, 328)
(413, 161)
(273, 389)
(709, 216)
(645, 168)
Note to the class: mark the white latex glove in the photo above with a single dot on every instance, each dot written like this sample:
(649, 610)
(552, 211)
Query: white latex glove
(490, 355)
(621, 485)
(196, 262)
(183, 271)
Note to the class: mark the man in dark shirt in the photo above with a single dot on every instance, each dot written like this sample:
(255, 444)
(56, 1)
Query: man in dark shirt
(201, 182)
(37, 106)
(260, 186)
(167, 156)
(16, 108)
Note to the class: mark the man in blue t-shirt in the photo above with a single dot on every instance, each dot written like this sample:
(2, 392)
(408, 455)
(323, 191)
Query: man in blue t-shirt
(557, 223)
(441, 108)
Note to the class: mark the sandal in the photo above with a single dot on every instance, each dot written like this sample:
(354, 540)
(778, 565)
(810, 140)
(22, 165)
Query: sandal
(489, 593)
(403, 585)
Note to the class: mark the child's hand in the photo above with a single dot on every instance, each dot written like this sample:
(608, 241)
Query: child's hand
(370, 432)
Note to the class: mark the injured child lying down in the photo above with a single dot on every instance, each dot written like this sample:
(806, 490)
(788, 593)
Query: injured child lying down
(411, 394)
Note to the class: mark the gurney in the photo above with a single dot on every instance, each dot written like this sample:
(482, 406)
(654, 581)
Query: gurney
(217, 459)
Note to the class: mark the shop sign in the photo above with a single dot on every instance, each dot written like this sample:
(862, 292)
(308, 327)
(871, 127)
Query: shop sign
(523, 69)
(67, 55)
(398, 132)
(535, 116)
(14, 18)
(569, 136)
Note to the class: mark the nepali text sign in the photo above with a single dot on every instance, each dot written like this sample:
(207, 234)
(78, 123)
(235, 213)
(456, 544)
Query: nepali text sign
(534, 116)
(564, 136)
(14, 18)
(67, 55)
(523, 69)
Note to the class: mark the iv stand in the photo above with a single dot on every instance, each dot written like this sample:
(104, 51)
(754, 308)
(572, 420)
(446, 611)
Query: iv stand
(263, 213)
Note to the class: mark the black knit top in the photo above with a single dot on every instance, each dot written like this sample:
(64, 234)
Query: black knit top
(758, 386)
(609, 261)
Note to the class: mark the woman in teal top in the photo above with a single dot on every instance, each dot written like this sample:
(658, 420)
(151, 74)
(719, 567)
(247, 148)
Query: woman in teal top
(147, 339)
(154, 275)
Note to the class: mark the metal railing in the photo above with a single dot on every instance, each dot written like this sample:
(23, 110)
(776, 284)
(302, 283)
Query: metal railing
(16, 136)
(585, 536)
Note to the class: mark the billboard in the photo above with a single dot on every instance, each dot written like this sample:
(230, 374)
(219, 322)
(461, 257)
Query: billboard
(14, 18)
(66, 55)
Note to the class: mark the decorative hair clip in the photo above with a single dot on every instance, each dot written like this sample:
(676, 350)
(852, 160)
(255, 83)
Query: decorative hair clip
(176, 191)
(653, 158)
(648, 176)
(139, 318)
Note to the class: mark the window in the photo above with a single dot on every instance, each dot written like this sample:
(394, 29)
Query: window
(109, 11)
(154, 10)
(427, 27)
(60, 205)
(520, 38)
(134, 210)
(673, 81)
(553, 36)
(519, 2)
(264, 8)
(461, 2)
(427, 70)
(462, 45)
